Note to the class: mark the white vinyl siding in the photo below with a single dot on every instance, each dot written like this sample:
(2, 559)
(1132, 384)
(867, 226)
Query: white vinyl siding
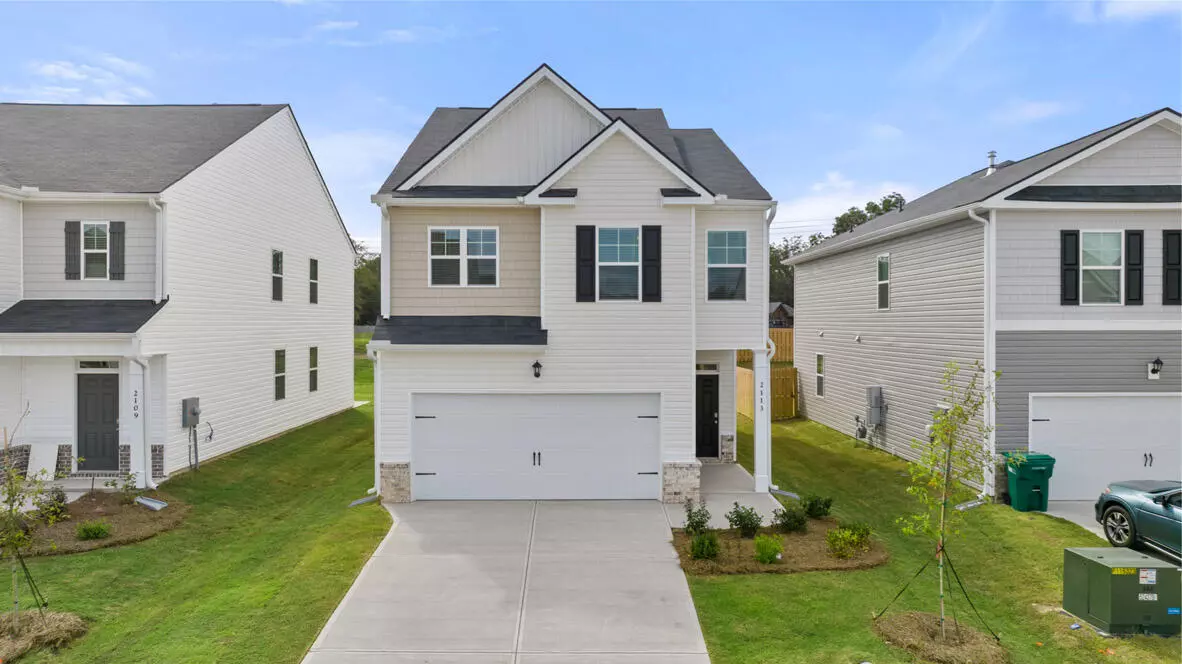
(44, 242)
(937, 315)
(723, 324)
(1150, 156)
(10, 252)
(1028, 264)
(518, 292)
(523, 145)
(220, 329)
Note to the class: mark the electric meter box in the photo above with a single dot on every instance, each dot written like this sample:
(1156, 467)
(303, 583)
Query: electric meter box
(190, 412)
(1121, 591)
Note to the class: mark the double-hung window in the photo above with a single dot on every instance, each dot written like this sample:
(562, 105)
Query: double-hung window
(313, 369)
(619, 263)
(884, 281)
(463, 257)
(1101, 267)
(280, 375)
(276, 275)
(726, 265)
(313, 281)
(95, 243)
(820, 374)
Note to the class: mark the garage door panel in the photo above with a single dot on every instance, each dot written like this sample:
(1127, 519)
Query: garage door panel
(1099, 439)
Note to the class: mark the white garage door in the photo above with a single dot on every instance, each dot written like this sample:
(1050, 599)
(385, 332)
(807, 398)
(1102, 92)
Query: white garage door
(535, 446)
(1099, 439)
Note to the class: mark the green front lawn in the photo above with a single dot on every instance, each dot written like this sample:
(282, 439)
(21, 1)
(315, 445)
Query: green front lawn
(267, 552)
(1009, 560)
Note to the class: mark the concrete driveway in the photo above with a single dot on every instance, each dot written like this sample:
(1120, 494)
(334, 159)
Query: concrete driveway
(545, 582)
(1080, 512)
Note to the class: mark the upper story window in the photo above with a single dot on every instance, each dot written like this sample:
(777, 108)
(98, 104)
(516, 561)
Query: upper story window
(726, 265)
(1101, 267)
(313, 281)
(463, 257)
(276, 275)
(884, 281)
(95, 257)
(619, 263)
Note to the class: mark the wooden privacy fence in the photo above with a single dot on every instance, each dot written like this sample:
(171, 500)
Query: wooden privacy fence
(783, 392)
(782, 337)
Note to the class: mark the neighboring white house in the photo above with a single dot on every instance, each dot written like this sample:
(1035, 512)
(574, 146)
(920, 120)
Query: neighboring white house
(564, 290)
(152, 254)
(1063, 271)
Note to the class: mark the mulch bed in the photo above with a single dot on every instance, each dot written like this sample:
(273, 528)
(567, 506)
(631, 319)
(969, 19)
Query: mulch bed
(35, 631)
(919, 633)
(129, 523)
(803, 552)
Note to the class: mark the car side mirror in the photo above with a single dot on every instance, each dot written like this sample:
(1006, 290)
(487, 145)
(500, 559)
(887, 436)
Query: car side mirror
(1161, 499)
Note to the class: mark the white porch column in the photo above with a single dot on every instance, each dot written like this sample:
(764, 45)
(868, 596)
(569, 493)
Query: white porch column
(763, 419)
(132, 419)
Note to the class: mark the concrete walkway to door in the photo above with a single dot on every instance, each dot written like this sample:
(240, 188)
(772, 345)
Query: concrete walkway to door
(549, 582)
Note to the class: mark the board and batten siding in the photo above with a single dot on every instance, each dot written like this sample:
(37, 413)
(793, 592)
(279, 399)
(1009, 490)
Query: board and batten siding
(1150, 156)
(1027, 263)
(732, 324)
(45, 251)
(518, 237)
(523, 144)
(220, 327)
(10, 252)
(936, 316)
(622, 347)
(1077, 361)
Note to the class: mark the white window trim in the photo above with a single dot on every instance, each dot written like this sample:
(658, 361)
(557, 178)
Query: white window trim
(746, 264)
(316, 280)
(1119, 269)
(639, 256)
(313, 369)
(283, 281)
(878, 282)
(463, 257)
(279, 374)
(105, 252)
(818, 374)
(78, 368)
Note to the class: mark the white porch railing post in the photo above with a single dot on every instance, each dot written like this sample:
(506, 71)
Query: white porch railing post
(763, 419)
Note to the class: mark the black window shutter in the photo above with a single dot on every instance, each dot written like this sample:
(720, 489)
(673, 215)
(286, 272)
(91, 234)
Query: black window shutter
(1068, 267)
(650, 263)
(117, 248)
(1171, 284)
(584, 263)
(1134, 267)
(73, 250)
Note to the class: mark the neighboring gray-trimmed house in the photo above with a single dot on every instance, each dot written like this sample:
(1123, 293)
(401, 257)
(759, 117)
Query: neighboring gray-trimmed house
(564, 289)
(1063, 271)
(138, 268)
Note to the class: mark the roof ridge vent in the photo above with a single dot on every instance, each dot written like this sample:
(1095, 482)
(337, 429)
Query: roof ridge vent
(992, 163)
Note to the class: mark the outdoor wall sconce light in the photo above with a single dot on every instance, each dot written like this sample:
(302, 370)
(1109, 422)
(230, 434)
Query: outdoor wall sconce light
(537, 366)
(1155, 369)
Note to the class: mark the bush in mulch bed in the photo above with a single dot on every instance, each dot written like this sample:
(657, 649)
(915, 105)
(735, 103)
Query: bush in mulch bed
(36, 630)
(803, 552)
(128, 523)
(919, 633)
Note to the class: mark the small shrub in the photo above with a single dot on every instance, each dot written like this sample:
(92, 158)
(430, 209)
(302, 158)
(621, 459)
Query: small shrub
(791, 519)
(768, 549)
(816, 506)
(93, 530)
(744, 519)
(125, 485)
(704, 546)
(697, 518)
(847, 541)
(51, 507)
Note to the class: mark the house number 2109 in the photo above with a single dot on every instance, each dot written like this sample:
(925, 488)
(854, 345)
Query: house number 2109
(135, 403)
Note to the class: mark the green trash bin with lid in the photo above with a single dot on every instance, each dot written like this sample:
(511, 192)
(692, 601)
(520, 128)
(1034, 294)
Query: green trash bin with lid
(1029, 479)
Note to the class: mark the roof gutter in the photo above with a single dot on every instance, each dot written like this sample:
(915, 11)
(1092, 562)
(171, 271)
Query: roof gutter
(904, 228)
(33, 193)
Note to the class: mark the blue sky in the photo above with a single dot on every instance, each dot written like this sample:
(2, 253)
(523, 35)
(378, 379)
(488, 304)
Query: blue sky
(828, 104)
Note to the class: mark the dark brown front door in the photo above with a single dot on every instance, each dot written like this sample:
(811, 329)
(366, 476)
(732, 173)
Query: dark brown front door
(707, 426)
(98, 421)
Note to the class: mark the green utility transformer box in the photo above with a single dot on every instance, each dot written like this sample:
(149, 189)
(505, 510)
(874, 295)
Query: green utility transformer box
(1121, 591)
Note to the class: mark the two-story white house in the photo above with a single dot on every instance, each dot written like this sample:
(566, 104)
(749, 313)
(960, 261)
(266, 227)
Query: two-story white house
(1063, 271)
(564, 290)
(155, 256)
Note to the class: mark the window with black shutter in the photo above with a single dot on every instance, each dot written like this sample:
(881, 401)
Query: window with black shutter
(1134, 267)
(584, 263)
(1171, 291)
(1069, 267)
(651, 263)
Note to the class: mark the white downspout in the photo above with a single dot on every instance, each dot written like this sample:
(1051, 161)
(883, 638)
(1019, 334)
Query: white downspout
(989, 227)
(161, 246)
(147, 437)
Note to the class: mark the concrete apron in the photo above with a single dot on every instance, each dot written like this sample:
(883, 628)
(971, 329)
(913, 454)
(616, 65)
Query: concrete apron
(518, 582)
(723, 485)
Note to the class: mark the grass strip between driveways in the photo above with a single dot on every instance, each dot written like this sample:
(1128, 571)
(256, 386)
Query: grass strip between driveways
(1009, 561)
(263, 558)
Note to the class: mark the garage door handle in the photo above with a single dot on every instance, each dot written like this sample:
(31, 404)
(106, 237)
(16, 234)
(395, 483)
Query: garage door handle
(648, 473)
(647, 417)
(1041, 419)
(1144, 460)
(1151, 459)
(424, 417)
(424, 473)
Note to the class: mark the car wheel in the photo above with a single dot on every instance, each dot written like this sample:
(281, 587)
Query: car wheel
(1118, 527)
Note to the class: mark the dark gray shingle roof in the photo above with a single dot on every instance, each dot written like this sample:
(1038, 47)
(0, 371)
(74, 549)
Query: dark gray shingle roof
(78, 316)
(699, 151)
(123, 149)
(461, 330)
(976, 186)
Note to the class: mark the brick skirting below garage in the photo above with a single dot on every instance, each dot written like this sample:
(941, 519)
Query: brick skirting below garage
(395, 486)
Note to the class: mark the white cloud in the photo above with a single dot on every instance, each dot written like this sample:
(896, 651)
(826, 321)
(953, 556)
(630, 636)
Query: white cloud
(948, 44)
(1099, 11)
(814, 210)
(355, 163)
(328, 26)
(421, 34)
(881, 131)
(122, 66)
(1020, 111)
(101, 78)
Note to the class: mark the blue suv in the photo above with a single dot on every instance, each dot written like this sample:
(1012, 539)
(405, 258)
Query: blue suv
(1143, 512)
